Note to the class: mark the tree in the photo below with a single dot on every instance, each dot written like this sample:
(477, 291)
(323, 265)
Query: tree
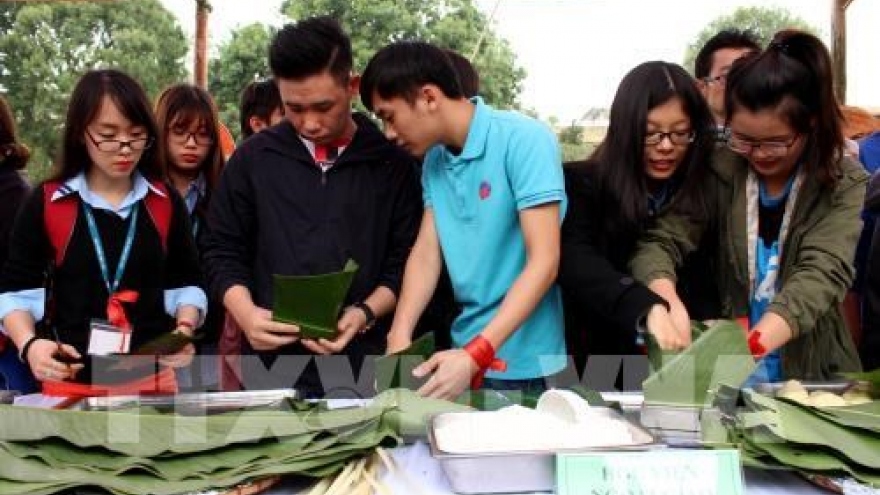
(453, 24)
(241, 60)
(764, 22)
(49, 46)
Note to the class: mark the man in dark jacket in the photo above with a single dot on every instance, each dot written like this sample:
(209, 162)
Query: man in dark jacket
(303, 197)
(869, 347)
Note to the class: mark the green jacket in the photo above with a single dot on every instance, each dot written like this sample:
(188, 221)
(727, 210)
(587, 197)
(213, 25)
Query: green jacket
(816, 267)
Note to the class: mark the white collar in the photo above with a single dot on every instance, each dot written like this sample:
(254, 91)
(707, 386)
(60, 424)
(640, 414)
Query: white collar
(78, 184)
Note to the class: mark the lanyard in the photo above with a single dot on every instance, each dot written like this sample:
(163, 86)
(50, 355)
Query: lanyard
(752, 217)
(99, 248)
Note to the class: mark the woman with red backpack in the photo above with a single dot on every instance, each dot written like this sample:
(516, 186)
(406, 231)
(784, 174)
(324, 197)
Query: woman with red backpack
(101, 258)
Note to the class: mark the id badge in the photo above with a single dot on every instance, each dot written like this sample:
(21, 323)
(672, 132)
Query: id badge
(106, 339)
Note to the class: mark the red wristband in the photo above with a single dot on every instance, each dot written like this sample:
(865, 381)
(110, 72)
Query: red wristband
(482, 352)
(755, 346)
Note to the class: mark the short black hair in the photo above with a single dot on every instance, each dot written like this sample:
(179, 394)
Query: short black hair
(401, 68)
(309, 47)
(727, 38)
(258, 99)
(467, 73)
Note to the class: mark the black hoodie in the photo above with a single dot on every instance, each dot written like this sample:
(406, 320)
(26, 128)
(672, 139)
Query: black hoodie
(869, 348)
(276, 212)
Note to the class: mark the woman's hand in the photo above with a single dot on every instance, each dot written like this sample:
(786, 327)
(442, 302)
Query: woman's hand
(42, 357)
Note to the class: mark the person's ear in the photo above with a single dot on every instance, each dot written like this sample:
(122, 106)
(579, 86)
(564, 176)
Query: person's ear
(354, 85)
(431, 94)
(256, 124)
(701, 85)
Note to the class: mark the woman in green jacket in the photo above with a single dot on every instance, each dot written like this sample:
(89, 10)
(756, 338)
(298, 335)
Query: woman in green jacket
(785, 206)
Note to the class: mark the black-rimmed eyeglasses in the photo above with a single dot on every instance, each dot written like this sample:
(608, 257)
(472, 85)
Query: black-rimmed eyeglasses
(115, 145)
(770, 148)
(678, 138)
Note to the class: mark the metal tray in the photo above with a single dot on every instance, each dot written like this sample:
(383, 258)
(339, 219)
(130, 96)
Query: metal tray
(195, 403)
(519, 471)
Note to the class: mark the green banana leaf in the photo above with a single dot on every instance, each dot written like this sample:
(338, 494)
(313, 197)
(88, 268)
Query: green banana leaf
(313, 302)
(395, 370)
(719, 354)
(808, 458)
(863, 416)
(870, 377)
(799, 426)
(50, 458)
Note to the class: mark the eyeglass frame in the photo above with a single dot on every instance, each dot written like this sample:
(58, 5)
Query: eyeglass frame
(190, 134)
(722, 78)
(148, 141)
(753, 145)
(690, 134)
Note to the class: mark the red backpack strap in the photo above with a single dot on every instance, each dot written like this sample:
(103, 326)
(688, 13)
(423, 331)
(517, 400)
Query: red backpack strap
(159, 207)
(59, 218)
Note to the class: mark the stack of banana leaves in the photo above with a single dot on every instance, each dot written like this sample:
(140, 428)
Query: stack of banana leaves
(144, 452)
(824, 442)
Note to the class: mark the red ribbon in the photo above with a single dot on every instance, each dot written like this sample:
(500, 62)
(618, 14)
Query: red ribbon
(482, 352)
(755, 347)
(116, 312)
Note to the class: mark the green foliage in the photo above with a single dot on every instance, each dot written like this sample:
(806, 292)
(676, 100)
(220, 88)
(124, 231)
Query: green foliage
(46, 47)
(453, 24)
(573, 134)
(763, 21)
(242, 59)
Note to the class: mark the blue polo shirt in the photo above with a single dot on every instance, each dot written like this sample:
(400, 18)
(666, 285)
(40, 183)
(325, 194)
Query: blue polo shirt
(509, 163)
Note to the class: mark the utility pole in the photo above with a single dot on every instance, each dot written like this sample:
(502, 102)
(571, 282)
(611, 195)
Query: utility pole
(838, 46)
(200, 70)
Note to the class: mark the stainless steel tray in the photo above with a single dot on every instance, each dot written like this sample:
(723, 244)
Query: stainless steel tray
(195, 403)
(520, 471)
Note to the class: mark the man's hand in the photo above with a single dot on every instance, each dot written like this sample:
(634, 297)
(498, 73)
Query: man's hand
(451, 371)
(352, 322)
(265, 334)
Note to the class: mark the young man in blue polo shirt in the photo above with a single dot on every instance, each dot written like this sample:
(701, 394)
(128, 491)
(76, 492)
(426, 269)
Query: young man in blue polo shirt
(494, 201)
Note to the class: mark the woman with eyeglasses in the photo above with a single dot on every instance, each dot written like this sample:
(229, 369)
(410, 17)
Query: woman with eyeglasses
(659, 138)
(190, 142)
(786, 203)
(124, 269)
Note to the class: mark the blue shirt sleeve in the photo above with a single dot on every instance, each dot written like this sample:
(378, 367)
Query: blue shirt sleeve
(183, 296)
(534, 167)
(31, 300)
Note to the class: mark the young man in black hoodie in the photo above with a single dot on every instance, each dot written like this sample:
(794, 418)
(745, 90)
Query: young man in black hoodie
(303, 197)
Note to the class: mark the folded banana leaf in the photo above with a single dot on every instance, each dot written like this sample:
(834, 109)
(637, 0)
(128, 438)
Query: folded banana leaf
(718, 354)
(313, 302)
(395, 370)
(870, 377)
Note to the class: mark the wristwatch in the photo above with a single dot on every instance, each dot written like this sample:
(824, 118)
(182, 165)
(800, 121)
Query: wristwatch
(368, 312)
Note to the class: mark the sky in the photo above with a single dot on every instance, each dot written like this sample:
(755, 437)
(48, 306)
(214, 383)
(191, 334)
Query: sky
(575, 52)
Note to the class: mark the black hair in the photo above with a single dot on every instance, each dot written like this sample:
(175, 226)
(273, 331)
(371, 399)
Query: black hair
(398, 71)
(13, 154)
(258, 99)
(84, 105)
(794, 77)
(467, 73)
(310, 47)
(181, 105)
(618, 163)
(727, 38)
